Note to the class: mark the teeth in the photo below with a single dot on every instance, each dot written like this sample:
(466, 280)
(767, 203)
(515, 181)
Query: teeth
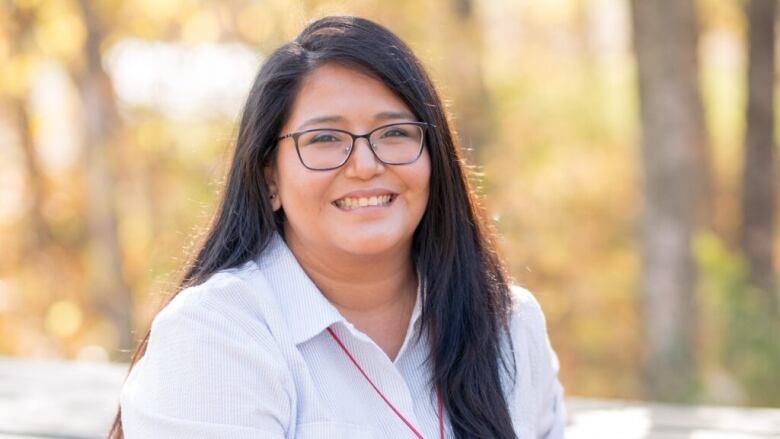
(353, 203)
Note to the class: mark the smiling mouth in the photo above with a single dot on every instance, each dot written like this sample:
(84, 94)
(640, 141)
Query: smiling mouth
(350, 203)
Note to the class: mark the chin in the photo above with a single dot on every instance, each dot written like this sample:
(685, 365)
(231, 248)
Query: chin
(372, 244)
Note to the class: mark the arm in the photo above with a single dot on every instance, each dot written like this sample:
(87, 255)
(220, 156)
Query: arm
(552, 419)
(207, 373)
(530, 329)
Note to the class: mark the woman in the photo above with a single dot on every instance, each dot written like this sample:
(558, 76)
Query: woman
(349, 286)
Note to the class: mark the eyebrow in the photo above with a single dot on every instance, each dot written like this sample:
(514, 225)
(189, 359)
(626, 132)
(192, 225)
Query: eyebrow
(385, 115)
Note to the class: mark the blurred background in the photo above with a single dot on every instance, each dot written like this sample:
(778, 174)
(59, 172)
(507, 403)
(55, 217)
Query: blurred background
(625, 152)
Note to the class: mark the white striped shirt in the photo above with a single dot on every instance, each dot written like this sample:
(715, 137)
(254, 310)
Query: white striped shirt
(246, 355)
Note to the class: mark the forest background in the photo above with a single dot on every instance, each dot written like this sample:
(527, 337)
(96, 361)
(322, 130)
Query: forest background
(625, 152)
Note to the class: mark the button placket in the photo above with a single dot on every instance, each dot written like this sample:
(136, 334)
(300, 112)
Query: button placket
(382, 371)
(413, 367)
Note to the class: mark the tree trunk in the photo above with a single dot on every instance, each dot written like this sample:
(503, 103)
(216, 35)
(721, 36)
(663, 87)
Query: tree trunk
(756, 234)
(38, 231)
(663, 30)
(110, 290)
(753, 352)
(704, 197)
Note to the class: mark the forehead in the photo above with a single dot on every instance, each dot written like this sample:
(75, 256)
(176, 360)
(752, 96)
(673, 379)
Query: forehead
(351, 95)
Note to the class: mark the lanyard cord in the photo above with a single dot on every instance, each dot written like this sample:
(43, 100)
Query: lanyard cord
(379, 392)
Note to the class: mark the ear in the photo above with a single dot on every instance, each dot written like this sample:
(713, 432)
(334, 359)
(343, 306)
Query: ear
(273, 188)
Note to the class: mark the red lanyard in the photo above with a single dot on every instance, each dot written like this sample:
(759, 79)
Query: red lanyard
(379, 392)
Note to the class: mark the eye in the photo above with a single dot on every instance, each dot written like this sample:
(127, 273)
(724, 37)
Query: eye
(395, 132)
(324, 137)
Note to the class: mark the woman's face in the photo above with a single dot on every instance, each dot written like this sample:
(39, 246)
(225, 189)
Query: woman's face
(322, 208)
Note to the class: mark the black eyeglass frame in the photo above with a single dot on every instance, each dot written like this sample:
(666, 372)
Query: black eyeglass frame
(297, 134)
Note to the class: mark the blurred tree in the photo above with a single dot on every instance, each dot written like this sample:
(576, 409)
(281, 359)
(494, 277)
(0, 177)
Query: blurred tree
(664, 35)
(703, 179)
(464, 55)
(38, 235)
(752, 337)
(109, 287)
(758, 180)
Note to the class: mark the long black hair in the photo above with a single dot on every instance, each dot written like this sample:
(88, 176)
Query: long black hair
(466, 297)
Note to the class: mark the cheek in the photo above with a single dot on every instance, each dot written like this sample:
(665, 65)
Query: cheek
(424, 174)
(303, 192)
(418, 181)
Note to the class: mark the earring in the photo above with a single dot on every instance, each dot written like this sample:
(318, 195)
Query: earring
(272, 196)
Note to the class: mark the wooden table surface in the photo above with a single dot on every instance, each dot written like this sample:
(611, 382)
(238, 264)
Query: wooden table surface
(67, 400)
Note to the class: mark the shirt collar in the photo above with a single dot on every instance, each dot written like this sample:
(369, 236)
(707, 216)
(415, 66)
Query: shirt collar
(307, 311)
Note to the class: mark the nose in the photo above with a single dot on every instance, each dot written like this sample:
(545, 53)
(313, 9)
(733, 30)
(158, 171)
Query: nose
(363, 163)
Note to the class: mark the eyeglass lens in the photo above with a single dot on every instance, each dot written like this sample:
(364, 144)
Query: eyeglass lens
(395, 144)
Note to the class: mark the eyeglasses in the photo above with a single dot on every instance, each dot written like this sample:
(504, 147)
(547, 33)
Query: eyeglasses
(324, 149)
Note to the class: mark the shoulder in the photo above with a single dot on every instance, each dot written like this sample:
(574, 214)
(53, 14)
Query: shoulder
(228, 315)
(528, 331)
(236, 297)
(211, 363)
(521, 297)
(526, 310)
(538, 394)
(223, 288)
(231, 306)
